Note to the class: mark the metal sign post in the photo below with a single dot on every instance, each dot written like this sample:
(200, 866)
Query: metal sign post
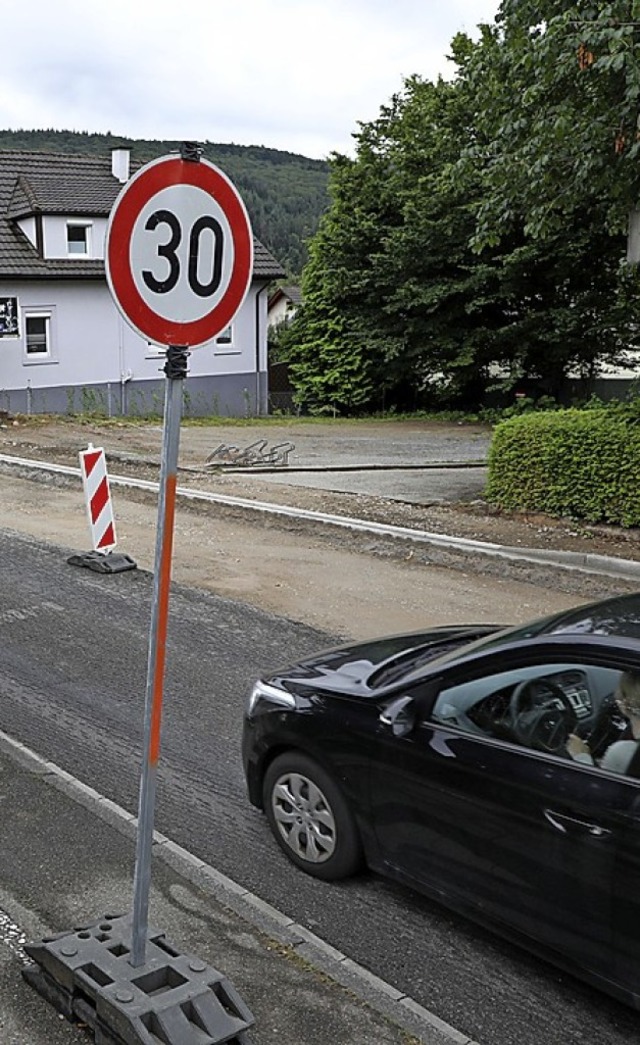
(176, 370)
(179, 259)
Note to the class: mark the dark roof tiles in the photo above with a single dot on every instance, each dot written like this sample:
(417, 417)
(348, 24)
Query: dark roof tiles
(73, 194)
(294, 294)
(291, 293)
(80, 186)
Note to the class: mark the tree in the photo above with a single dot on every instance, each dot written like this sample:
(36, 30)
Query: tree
(454, 252)
(390, 265)
(557, 89)
(448, 298)
(327, 352)
(558, 97)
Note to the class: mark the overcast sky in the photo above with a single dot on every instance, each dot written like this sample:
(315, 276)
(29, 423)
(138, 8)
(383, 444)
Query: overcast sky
(290, 74)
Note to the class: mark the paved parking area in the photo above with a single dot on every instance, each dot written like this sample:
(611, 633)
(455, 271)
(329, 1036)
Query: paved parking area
(379, 459)
(419, 486)
(349, 444)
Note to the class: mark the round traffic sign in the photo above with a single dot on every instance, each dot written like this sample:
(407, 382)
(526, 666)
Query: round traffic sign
(179, 251)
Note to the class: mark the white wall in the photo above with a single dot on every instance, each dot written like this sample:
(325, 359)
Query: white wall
(628, 373)
(54, 235)
(279, 311)
(28, 226)
(92, 344)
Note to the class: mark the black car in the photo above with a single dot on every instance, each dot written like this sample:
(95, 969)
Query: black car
(472, 763)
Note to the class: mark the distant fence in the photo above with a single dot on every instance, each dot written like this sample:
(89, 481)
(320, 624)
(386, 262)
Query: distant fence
(281, 390)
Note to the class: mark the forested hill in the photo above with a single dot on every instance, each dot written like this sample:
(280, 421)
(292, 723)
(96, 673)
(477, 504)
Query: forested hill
(284, 193)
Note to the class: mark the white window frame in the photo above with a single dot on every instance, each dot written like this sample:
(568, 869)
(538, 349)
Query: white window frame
(87, 226)
(154, 351)
(224, 343)
(33, 358)
(225, 337)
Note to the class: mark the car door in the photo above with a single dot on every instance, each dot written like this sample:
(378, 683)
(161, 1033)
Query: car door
(516, 835)
(626, 897)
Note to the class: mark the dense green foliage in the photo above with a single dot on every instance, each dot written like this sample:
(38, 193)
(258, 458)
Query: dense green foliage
(437, 272)
(580, 463)
(557, 85)
(284, 193)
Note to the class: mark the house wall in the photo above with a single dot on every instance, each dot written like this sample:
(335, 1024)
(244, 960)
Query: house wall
(629, 373)
(279, 311)
(28, 226)
(99, 364)
(54, 236)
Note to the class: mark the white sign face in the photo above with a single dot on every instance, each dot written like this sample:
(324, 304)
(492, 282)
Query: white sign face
(182, 253)
(179, 252)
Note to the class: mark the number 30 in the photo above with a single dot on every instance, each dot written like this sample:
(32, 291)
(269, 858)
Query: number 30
(168, 251)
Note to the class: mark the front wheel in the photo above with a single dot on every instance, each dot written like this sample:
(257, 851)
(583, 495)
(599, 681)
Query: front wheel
(309, 817)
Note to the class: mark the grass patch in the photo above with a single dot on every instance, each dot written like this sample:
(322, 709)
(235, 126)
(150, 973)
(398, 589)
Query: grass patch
(273, 420)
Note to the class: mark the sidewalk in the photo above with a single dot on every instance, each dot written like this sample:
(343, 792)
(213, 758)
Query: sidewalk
(67, 857)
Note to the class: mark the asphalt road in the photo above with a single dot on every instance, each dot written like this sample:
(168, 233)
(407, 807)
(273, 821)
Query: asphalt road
(72, 676)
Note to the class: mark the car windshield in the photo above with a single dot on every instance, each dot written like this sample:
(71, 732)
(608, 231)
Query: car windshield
(618, 616)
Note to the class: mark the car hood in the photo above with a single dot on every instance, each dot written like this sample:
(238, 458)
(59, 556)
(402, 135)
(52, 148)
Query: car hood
(364, 668)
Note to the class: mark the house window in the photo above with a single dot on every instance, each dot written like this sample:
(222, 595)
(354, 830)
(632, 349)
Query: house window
(225, 345)
(37, 335)
(78, 238)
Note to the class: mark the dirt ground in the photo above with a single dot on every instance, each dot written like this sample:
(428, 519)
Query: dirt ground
(347, 585)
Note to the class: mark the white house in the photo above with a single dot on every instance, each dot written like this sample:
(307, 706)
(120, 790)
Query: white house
(63, 345)
(283, 304)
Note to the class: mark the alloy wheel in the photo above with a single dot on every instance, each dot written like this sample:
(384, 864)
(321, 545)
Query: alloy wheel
(304, 818)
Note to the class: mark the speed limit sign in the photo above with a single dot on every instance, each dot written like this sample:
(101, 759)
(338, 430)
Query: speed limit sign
(179, 251)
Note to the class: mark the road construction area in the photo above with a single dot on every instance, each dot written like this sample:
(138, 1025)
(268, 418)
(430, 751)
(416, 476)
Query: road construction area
(349, 583)
(365, 961)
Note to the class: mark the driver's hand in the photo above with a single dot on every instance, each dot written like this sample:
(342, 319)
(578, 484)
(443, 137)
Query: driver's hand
(576, 745)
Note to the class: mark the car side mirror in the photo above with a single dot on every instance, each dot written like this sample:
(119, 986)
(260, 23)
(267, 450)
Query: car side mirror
(401, 715)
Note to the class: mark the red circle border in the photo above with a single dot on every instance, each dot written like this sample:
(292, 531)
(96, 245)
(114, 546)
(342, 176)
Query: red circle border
(158, 175)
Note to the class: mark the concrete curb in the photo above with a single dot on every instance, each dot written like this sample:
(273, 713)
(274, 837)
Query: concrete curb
(261, 469)
(582, 562)
(438, 466)
(319, 955)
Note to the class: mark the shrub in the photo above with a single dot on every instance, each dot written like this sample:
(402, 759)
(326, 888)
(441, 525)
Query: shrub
(580, 463)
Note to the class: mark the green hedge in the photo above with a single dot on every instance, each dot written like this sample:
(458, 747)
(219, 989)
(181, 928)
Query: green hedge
(580, 463)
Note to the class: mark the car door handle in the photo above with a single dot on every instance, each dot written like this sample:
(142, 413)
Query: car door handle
(565, 823)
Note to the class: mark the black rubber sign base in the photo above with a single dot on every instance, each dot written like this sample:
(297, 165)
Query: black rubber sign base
(173, 999)
(99, 562)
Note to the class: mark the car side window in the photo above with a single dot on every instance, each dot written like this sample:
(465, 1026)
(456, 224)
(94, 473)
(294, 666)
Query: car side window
(540, 707)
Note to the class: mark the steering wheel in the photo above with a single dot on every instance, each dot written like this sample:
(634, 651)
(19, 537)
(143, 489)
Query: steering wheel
(535, 718)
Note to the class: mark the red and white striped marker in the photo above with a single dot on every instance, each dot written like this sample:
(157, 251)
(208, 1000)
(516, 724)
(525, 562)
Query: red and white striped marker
(93, 466)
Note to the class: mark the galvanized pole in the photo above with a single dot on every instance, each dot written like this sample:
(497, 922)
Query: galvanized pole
(176, 370)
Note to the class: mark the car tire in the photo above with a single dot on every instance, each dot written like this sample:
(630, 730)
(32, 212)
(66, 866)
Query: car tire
(310, 819)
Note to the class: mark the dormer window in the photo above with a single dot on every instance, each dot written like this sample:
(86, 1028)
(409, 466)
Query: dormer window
(79, 238)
